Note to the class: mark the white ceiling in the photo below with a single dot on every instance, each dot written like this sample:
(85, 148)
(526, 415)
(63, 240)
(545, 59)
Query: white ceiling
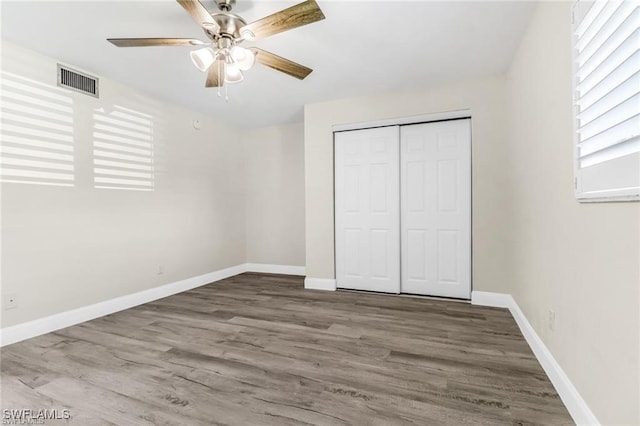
(361, 48)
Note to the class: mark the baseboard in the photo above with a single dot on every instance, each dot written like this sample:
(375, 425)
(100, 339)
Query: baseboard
(27, 330)
(320, 284)
(275, 269)
(576, 405)
(494, 300)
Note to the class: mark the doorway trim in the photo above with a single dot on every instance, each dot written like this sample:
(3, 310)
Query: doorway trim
(399, 121)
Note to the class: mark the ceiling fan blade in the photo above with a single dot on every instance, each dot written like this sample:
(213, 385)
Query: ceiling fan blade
(215, 76)
(199, 14)
(295, 16)
(281, 64)
(145, 42)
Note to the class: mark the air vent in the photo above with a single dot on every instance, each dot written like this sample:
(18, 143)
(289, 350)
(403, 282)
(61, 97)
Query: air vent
(75, 80)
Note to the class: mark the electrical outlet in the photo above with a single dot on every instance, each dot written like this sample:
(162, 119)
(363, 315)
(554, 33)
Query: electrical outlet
(552, 320)
(160, 269)
(10, 301)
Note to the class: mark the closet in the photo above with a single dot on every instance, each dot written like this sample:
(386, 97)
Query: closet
(403, 209)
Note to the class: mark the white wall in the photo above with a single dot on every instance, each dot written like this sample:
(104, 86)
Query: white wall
(67, 247)
(580, 260)
(275, 194)
(486, 99)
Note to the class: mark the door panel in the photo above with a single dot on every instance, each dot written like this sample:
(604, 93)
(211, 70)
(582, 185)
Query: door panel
(352, 252)
(378, 188)
(415, 178)
(367, 209)
(416, 252)
(448, 186)
(448, 256)
(436, 204)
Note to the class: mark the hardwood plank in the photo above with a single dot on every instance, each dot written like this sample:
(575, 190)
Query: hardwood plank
(259, 349)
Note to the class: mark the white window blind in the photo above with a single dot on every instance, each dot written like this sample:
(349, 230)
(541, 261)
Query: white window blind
(606, 41)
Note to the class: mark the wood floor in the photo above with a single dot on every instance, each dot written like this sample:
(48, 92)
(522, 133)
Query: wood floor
(257, 349)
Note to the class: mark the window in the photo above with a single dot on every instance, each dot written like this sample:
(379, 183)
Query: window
(606, 46)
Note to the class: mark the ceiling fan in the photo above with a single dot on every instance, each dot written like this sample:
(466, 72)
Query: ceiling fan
(223, 57)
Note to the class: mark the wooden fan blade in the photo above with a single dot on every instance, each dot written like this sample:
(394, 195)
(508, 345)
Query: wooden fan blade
(145, 42)
(281, 64)
(215, 76)
(295, 16)
(199, 14)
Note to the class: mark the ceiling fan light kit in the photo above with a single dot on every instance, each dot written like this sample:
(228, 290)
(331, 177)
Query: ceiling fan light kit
(223, 59)
(203, 58)
(245, 58)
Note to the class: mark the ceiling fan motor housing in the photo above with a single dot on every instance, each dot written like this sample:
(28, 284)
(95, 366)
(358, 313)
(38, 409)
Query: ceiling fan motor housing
(229, 26)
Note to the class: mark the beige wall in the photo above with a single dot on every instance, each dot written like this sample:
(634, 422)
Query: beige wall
(67, 247)
(486, 99)
(275, 194)
(580, 260)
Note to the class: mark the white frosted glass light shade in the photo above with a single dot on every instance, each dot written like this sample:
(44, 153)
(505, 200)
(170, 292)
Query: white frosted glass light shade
(203, 58)
(232, 74)
(242, 57)
(247, 34)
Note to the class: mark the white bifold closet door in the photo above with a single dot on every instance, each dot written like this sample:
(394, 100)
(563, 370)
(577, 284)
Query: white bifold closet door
(367, 206)
(435, 164)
